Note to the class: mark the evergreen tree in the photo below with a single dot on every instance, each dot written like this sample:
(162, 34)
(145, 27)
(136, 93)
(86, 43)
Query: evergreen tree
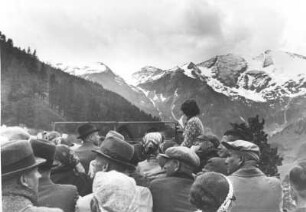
(10, 42)
(253, 130)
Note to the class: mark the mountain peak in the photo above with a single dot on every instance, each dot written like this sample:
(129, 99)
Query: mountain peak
(84, 69)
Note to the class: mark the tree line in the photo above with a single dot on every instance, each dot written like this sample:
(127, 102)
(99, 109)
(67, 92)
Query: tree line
(35, 93)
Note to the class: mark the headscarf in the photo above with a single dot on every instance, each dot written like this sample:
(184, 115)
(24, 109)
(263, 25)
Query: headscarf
(152, 141)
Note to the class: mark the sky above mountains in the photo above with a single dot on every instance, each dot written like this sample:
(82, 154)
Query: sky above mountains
(127, 35)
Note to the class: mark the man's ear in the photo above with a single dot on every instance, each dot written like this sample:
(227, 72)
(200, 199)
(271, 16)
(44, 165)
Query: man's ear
(241, 157)
(177, 165)
(105, 167)
(23, 179)
(94, 205)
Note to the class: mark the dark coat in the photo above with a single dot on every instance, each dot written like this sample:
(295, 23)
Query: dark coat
(67, 175)
(17, 198)
(216, 164)
(254, 191)
(86, 154)
(55, 195)
(171, 194)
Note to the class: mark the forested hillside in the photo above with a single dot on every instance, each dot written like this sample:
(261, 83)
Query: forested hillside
(35, 94)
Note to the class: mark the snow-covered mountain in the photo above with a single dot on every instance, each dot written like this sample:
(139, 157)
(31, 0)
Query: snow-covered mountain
(100, 73)
(231, 87)
(266, 77)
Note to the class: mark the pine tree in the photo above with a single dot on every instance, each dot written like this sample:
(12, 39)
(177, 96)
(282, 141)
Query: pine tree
(254, 131)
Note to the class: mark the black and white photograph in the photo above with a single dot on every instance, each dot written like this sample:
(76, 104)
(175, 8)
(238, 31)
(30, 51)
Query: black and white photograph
(153, 105)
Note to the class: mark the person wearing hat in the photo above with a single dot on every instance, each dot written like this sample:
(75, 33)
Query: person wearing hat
(116, 154)
(297, 179)
(170, 193)
(254, 191)
(217, 164)
(212, 192)
(50, 194)
(150, 167)
(91, 139)
(20, 178)
(205, 146)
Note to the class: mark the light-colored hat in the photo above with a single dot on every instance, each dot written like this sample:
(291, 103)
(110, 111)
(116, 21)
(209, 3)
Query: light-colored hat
(183, 154)
(245, 147)
(115, 190)
(242, 146)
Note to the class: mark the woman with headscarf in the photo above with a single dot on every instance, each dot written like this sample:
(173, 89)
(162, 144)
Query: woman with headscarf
(150, 168)
(194, 127)
(212, 192)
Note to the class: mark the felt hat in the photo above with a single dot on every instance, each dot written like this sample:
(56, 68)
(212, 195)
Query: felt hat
(86, 129)
(45, 150)
(183, 154)
(17, 157)
(116, 149)
(114, 134)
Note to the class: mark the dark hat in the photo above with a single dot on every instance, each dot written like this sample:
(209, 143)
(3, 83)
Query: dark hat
(116, 149)
(17, 157)
(44, 149)
(86, 129)
(183, 154)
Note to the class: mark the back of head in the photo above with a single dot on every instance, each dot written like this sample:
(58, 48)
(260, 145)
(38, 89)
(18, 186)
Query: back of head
(116, 191)
(211, 191)
(238, 134)
(190, 108)
(297, 176)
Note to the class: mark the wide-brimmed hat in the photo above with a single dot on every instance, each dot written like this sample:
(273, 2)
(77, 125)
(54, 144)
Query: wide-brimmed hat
(17, 157)
(116, 149)
(85, 130)
(45, 150)
(183, 154)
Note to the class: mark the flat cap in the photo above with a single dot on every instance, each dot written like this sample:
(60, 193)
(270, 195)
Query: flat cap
(242, 146)
(183, 154)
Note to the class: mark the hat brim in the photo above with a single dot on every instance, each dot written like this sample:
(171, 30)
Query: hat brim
(162, 159)
(228, 146)
(113, 159)
(38, 161)
(82, 136)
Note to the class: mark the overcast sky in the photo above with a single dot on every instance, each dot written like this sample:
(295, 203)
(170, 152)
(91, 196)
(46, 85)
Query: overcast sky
(129, 34)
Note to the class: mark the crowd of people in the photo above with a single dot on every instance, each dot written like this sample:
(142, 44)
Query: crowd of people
(45, 172)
